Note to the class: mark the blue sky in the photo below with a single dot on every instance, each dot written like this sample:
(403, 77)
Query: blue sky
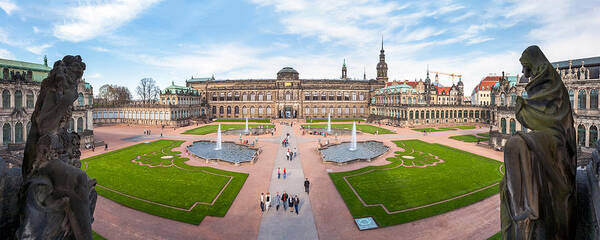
(122, 41)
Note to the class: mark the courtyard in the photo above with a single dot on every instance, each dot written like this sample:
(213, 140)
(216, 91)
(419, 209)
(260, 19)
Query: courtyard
(419, 184)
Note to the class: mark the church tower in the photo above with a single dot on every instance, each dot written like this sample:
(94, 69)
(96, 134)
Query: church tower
(382, 66)
(427, 88)
(344, 71)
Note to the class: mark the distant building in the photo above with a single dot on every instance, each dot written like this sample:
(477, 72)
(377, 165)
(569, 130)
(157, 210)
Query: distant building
(481, 94)
(582, 80)
(20, 86)
(177, 106)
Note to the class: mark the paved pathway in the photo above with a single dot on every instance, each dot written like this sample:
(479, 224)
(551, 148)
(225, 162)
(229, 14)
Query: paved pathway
(283, 224)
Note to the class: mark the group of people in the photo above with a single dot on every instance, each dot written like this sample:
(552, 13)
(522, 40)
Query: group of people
(147, 131)
(284, 200)
(290, 155)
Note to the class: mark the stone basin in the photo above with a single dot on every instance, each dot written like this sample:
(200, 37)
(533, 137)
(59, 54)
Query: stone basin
(230, 152)
(340, 153)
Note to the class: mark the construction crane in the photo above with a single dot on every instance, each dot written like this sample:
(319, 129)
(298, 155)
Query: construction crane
(448, 74)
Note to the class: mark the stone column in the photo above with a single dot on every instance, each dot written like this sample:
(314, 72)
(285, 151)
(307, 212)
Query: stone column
(587, 136)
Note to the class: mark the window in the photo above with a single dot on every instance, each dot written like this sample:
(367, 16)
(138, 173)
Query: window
(307, 96)
(221, 96)
(214, 97)
(18, 99)
(593, 136)
(252, 97)
(361, 97)
(571, 94)
(513, 126)
(19, 132)
(6, 133)
(268, 96)
(513, 99)
(331, 96)
(79, 124)
(594, 99)
(581, 135)
(353, 96)
(80, 99)
(229, 96)
(260, 97)
(288, 96)
(503, 125)
(29, 100)
(581, 97)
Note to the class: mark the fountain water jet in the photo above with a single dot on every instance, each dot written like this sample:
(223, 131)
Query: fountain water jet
(353, 142)
(246, 131)
(329, 123)
(218, 143)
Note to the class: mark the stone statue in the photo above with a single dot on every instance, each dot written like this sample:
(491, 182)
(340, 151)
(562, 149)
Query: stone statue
(56, 199)
(537, 193)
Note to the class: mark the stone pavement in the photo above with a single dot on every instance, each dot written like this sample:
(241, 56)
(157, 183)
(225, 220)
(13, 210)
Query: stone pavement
(283, 224)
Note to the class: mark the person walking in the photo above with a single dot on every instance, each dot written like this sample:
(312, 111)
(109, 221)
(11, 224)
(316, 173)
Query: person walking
(277, 201)
(105, 146)
(295, 152)
(284, 173)
(306, 185)
(262, 202)
(284, 198)
(291, 204)
(267, 201)
(278, 173)
(296, 203)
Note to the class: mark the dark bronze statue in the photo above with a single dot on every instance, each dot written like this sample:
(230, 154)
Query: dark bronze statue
(57, 199)
(538, 194)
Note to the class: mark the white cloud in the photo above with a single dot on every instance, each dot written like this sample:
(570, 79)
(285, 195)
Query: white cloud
(36, 29)
(100, 49)
(39, 49)
(8, 6)
(90, 20)
(6, 54)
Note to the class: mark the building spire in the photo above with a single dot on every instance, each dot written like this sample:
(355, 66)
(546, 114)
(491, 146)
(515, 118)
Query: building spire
(381, 42)
(364, 73)
(344, 70)
(45, 61)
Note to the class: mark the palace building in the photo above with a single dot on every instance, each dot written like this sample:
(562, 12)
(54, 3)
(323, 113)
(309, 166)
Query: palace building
(582, 80)
(20, 86)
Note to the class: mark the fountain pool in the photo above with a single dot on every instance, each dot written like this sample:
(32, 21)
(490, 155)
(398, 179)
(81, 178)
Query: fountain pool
(341, 153)
(230, 152)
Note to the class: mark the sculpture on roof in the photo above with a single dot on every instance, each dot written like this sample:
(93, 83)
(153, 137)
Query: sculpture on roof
(537, 193)
(57, 199)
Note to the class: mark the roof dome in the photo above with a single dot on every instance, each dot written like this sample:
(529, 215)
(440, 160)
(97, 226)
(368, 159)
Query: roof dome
(287, 70)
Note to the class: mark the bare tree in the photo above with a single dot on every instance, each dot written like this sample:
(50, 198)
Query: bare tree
(114, 94)
(147, 90)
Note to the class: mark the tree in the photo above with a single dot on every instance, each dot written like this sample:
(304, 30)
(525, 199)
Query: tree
(114, 94)
(147, 90)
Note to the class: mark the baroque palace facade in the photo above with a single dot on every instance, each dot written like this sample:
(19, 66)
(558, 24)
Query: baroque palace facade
(287, 96)
(20, 86)
(580, 76)
(412, 103)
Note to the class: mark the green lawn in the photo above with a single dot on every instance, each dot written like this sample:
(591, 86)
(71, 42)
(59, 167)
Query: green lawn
(469, 138)
(255, 120)
(465, 127)
(485, 135)
(359, 127)
(96, 236)
(409, 187)
(431, 129)
(178, 185)
(496, 236)
(319, 120)
(207, 129)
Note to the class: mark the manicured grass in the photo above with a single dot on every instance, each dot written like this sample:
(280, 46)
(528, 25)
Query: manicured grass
(431, 129)
(207, 129)
(255, 120)
(319, 120)
(465, 127)
(359, 127)
(486, 135)
(170, 182)
(468, 138)
(409, 187)
(496, 236)
(96, 236)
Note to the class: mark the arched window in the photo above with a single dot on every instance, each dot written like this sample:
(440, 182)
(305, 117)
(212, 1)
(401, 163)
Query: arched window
(288, 96)
(503, 125)
(214, 110)
(221, 111)
(594, 99)
(581, 99)
(571, 97)
(513, 99)
(79, 124)
(29, 97)
(71, 125)
(6, 133)
(5, 99)
(228, 109)
(18, 99)
(80, 99)
(244, 110)
(581, 135)
(236, 110)
(410, 114)
(513, 126)
(19, 132)
(269, 109)
(422, 114)
(593, 136)
(502, 99)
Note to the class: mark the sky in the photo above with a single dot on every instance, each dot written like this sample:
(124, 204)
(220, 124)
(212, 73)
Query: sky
(123, 41)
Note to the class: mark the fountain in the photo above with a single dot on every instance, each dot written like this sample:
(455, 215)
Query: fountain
(353, 141)
(329, 123)
(246, 131)
(351, 151)
(224, 151)
(218, 143)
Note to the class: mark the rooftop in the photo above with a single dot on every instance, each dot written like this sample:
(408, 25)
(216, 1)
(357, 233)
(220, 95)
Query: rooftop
(591, 61)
